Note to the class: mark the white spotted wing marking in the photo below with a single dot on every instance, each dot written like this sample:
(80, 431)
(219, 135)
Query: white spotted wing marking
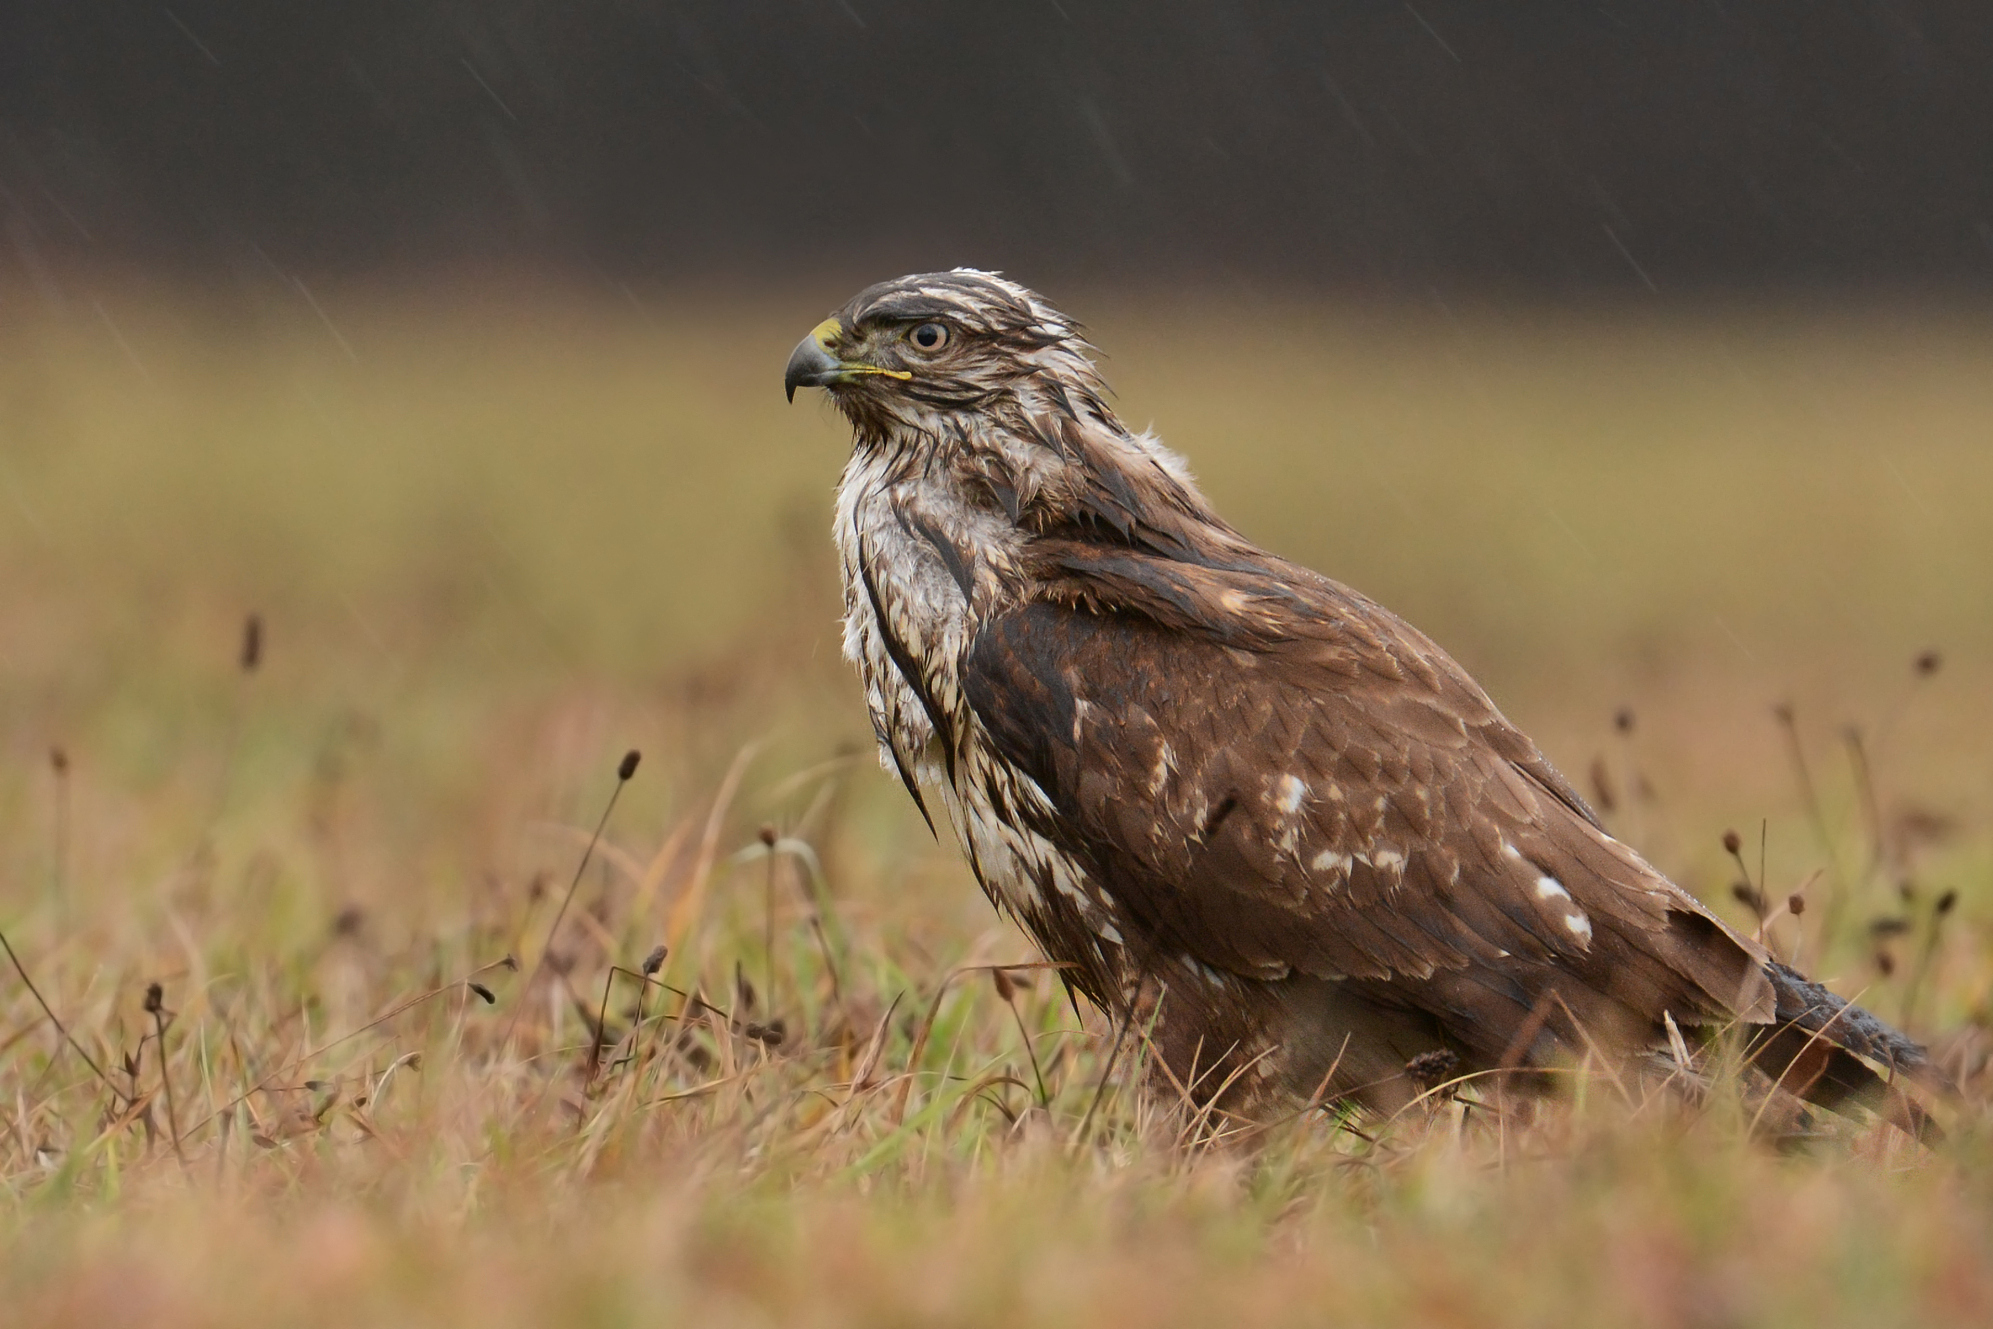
(1575, 921)
(1292, 792)
(1330, 861)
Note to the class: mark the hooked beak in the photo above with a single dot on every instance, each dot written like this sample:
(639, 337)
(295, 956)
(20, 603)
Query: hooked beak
(811, 364)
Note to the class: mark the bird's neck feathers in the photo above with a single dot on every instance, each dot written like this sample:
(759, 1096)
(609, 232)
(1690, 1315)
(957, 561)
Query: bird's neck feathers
(1047, 451)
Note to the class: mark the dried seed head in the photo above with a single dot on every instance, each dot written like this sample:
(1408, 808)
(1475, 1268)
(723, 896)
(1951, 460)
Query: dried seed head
(1928, 663)
(1429, 1070)
(768, 836)
(1603, 793)
(510, 963)
(1885, 962)
(252, 643)
(654, 961)
(155, 998)
(1795, 905)
(1888, 927)
(59, 760)
(774, 1032)
(1947, 902)
(1732, 842)
(628, 767)
(1006, 992)
(1622, 719)
(489, 998)
(1749, 896)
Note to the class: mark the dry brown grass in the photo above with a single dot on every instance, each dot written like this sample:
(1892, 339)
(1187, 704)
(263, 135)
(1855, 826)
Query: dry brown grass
(493, 549)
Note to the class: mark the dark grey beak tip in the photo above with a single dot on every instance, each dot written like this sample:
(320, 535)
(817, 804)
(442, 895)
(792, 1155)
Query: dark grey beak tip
(810, 366)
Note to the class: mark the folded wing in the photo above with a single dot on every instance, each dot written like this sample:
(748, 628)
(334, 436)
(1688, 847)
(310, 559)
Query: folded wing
(1274, 775)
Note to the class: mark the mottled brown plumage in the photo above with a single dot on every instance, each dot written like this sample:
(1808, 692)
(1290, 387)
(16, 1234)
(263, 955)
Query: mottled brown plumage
(1224, 790)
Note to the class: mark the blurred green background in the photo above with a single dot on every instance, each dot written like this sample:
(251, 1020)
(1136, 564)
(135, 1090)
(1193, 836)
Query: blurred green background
(519, 529)
(580, 484)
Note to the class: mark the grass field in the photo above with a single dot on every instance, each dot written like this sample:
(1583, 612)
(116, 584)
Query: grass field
(494, 541)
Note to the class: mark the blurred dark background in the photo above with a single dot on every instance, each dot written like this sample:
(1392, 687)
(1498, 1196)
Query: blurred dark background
(1546, 147)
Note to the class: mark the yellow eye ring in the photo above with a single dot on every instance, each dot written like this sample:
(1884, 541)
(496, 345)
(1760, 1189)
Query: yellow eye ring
(929, 337)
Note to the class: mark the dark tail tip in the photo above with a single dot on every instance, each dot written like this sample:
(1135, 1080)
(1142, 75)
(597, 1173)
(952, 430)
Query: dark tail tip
(1821, 1049)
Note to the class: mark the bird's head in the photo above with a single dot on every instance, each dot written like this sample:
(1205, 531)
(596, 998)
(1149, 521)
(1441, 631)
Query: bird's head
(987, 379)
(919, 352)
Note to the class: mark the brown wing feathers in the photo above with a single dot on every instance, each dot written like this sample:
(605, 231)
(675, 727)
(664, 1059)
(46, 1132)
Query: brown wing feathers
(1277, 776)
(1346, 850)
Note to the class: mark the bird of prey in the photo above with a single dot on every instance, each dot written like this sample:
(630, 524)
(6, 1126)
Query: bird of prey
(1237, 802)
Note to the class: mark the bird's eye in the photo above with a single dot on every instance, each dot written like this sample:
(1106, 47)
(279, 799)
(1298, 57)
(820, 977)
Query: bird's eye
(929, 336)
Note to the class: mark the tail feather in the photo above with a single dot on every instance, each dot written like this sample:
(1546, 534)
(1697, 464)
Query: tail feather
(1821, 1047)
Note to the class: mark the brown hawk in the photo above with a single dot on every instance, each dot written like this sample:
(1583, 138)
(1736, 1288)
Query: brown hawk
(1221, 788)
